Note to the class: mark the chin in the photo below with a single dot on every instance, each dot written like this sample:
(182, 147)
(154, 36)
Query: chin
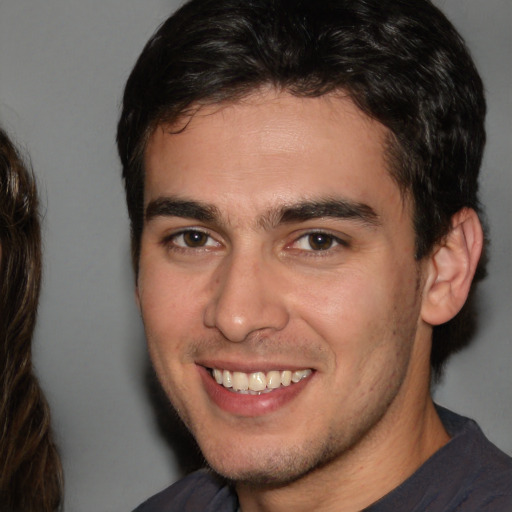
(276, 469)
(259, 477)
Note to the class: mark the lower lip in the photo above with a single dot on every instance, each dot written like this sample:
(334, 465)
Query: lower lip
(249, 405)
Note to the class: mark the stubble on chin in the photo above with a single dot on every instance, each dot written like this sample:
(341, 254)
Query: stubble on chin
(283, 468)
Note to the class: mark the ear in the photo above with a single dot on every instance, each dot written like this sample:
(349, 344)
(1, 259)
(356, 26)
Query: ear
(451, 268)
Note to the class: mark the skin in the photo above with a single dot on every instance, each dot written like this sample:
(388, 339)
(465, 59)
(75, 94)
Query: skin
(226, 282)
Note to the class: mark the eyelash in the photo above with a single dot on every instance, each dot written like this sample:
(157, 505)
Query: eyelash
(170, 242)
(333, 242)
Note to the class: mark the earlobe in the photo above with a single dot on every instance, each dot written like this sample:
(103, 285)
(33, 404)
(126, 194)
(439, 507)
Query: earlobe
(451, 268)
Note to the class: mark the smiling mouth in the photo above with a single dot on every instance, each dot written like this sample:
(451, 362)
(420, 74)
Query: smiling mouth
(257, 383)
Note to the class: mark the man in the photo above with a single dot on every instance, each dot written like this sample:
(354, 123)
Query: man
(301, 179)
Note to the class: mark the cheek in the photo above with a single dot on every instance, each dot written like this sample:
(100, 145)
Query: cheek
(168, 300)
(364, 317)
(168, 308)
(340, 306)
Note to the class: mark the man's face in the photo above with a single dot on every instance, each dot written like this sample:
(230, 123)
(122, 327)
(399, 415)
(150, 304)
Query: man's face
(276, 246)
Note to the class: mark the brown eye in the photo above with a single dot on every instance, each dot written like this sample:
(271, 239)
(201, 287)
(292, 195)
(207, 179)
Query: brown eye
(320, 241)
(191, 242)
(195, 238)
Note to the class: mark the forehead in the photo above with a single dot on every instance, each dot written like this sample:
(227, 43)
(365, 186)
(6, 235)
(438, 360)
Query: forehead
(271, 146)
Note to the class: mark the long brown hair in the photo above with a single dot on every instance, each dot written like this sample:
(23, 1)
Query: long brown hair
(30, 467)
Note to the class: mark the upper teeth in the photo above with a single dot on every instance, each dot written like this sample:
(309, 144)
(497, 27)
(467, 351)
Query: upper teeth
(258, 382)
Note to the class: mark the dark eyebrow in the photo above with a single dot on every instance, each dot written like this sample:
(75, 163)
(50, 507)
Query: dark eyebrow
(334, 208)
(172, 207)
(298, 212)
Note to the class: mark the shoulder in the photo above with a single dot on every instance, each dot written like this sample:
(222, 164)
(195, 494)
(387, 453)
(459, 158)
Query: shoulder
(477, 475)
(468, 474)
(470, 444)
(489, 481)
(201, 491)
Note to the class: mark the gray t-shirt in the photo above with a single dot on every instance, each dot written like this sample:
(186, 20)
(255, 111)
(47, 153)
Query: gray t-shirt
(468, 474)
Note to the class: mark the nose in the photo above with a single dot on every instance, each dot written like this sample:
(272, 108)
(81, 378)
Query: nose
(247, 296)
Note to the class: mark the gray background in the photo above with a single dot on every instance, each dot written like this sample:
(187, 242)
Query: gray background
(63, 64)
